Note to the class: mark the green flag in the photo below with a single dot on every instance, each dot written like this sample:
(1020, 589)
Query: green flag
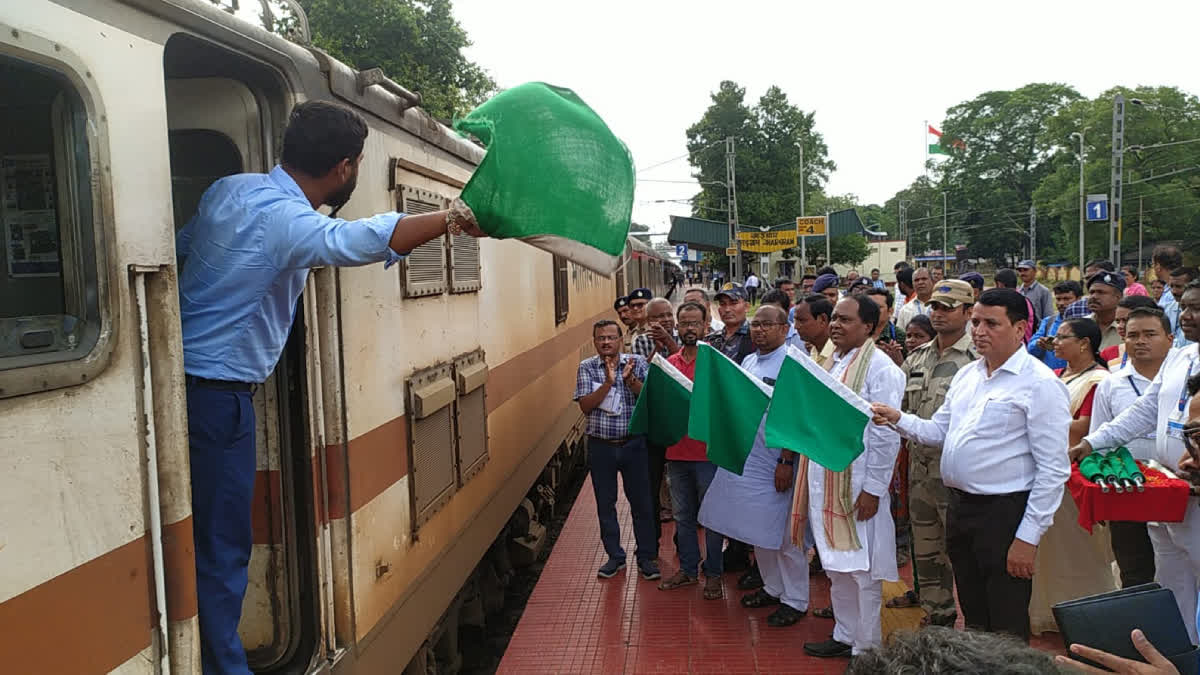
(727, 407)
(936, 149)
(823, 418)
(554, 175)
(661, 412)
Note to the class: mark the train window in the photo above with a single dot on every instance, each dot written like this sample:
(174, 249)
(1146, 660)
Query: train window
(433, 462)
(424, 270)
(562, 296)
(51, 293)
(470, 378)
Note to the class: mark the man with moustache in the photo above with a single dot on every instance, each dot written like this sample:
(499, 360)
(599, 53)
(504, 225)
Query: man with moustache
(849, 510)
(621, 307)
(922, 283)
(1105, 290)
(1001, 439)
(754, 506)
(1162, 411)
(811, 322)
(700, 297)
(690, 473)
(660, 338)
(243, 260)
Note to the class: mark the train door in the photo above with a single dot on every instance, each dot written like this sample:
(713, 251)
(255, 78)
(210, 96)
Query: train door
(220, 126)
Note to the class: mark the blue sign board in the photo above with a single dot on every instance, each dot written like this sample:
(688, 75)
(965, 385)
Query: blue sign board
(1097, 208)
(681, 251)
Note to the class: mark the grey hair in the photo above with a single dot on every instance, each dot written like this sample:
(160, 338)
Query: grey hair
(946, 651)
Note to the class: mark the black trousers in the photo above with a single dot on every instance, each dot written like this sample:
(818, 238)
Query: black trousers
(656, 455)
(979, 531)
(1134, 553)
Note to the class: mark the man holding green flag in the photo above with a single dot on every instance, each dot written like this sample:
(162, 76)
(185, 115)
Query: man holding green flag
(752, 506)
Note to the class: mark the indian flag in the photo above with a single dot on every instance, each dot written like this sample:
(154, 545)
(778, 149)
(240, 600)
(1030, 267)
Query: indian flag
(662, 408)
(554, 175)
(728, 404)
(822, 418)
(936, 148)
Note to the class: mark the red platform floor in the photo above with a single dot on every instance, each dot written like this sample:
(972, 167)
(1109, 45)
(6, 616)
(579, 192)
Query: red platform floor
(575, 622)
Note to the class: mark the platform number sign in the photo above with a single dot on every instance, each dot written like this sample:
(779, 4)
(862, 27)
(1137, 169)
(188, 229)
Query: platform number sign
(1097, 208)
(681, 251)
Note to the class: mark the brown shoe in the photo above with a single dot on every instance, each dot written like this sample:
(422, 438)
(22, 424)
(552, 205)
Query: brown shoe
(680, 580)
(712, 588)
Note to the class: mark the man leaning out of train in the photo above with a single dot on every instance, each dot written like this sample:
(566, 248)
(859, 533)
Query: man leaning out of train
(243, 261)
(607, 386)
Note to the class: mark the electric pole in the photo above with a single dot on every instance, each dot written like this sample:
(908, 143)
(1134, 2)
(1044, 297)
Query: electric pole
(803, 240)
(945, 272)
(735, 265)
(1139, 235)
(1033, 233)
(1082, 200)
(1118, 160)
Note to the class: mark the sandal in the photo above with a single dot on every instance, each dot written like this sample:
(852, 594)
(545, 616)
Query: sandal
(713, 589)
(905, 601)
(759, 598)
(679, 580)
(823, 612)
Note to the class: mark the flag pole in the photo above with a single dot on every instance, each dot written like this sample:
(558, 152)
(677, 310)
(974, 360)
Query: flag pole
(925, 144)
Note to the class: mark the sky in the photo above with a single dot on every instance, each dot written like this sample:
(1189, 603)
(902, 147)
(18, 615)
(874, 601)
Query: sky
(873, 72)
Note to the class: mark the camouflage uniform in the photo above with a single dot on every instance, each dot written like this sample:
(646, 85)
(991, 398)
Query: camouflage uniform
(929, 374)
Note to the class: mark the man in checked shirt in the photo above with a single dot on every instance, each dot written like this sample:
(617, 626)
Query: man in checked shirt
(607, 386)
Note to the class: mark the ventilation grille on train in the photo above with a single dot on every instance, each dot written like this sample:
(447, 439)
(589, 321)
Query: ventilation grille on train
(465, 274)
(424, 270)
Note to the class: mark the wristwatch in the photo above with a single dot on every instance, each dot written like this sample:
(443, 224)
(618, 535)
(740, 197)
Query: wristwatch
(789, 462)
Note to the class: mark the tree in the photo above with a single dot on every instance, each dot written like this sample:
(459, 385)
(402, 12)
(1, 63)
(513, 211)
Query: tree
(417, 43)
(1002, 156)
(767, 159)
(850, 249)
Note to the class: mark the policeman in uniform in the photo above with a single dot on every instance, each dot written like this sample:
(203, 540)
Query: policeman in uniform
(638, 299)
(929, 369)
(621, 306)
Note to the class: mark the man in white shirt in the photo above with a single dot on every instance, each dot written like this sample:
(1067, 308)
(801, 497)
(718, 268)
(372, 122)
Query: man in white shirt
(1002, 428)
(752, 287)
(1147, 344)
(922, 283)
(1162, 409)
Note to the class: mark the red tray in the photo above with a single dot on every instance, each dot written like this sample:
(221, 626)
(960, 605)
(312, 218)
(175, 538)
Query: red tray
(1165, 500)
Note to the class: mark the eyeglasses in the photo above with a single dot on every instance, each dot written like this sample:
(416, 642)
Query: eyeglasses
(763, 324)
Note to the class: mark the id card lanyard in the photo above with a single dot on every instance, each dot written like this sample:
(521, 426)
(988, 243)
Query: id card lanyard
(1178, 416)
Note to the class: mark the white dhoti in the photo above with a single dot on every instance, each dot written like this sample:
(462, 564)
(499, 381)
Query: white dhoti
(1177, 562)
(784, 573)
(857, 601)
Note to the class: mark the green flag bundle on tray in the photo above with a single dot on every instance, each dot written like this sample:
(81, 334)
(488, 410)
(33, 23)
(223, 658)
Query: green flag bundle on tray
(728, 404)
(554, 175)
(661, 412)
(816, 414)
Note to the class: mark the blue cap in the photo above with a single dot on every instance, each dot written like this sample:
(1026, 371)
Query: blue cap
(825, 281)
(735, 293)
(620, 302)
(640, 294)
(973, 278)
(1114, 279)
(1027, 264)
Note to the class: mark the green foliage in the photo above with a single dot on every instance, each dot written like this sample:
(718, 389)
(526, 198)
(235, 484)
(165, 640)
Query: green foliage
(767, 161)
(851, 250)
(418, 43)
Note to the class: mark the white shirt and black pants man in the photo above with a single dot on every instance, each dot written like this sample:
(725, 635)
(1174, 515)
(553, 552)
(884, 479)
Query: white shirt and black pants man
(1162, 410)
(1002, 460)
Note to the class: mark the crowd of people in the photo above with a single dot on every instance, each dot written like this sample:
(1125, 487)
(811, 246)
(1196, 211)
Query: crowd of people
(982, 397)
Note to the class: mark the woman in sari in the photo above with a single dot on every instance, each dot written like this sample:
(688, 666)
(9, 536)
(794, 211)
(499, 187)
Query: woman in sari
(1070, 562)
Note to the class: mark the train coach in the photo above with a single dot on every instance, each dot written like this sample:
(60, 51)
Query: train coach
(415, 416)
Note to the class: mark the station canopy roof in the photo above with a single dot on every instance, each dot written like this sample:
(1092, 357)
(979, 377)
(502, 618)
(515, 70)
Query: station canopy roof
(713, 235)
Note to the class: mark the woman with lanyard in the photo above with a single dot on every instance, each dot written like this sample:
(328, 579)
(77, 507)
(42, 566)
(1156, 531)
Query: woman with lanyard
(1070, 562)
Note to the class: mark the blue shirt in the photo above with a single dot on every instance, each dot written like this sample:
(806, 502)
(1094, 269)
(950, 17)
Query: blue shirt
(590, 376)
(1049, 328)
(1171, 308)
(243, 261)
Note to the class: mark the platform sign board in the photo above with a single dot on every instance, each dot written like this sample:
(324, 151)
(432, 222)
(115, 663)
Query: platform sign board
(731, 251)
(811, 226)
(1097, 208)
(681, 251)
(769, 241)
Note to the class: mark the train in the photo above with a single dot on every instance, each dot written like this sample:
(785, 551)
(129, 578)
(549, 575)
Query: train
(416, 420)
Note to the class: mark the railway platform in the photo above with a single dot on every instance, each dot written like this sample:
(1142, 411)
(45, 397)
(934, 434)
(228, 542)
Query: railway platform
(575, 622)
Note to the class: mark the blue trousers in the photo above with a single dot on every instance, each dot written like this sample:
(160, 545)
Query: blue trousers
(605, 461)
(689, 482)
(221, 438)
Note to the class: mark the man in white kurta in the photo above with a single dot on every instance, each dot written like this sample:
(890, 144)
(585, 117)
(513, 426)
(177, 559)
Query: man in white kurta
(750, 507)
(856, 576)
